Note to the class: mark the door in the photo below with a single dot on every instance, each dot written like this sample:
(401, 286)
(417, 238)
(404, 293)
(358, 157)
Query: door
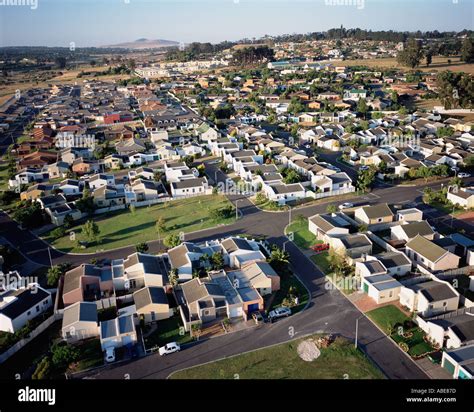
(366, 288)
(252, 308)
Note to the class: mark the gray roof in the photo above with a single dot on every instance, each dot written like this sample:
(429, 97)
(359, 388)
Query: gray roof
(377, 211)
(148, 296)
(434, 291)
(393, 259)
(116, 327)
(80, 312)
(235, 243)
(355, 241)
(417, 228)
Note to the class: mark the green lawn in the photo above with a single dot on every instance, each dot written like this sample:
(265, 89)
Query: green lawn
(91, 355)
(322, 260)
(125, 228)
(168, 330)
(302, 236)
(340, 360)
(387, 317)
(416, 344)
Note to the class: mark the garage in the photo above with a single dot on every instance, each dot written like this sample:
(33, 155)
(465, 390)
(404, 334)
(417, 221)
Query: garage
(252, 308)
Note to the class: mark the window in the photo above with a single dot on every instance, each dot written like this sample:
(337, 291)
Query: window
(153, 317)
(379, 220)
(28, 313)
(37, 308)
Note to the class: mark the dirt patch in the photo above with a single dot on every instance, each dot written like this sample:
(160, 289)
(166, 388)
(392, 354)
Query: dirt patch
(308, 351)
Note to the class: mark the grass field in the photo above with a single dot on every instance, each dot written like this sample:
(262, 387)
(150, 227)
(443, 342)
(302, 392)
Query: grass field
(340, 360)
(302, 236)
(387, 317)
(168, 330)
(439, 64)
(322, 261)
(125, 228)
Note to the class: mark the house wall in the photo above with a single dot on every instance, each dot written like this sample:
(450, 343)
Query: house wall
(161, 311)
(428, 309)
(79, 331)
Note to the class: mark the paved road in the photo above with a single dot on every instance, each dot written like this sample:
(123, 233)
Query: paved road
(329, 310)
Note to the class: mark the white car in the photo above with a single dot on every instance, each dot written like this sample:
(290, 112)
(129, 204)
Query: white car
(169, 348)
(346, 206)
(110, 354)
(463, 175)
(281, 312)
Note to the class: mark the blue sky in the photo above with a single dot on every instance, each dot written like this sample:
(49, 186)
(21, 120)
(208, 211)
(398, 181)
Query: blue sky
(99, 22)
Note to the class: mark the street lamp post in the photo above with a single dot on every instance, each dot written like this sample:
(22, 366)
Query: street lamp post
(357, 331)
(237, 209)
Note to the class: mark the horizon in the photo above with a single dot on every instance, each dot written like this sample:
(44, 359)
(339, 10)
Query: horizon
(176, 20)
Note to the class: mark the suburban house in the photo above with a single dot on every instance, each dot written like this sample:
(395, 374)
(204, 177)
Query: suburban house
(151, 304)
(239, 251)
(185, 259)
(328, 226)
(410, 230)
(109, 196)
(20, 305)
(452, 330)
(283, 193)
(190, 187)
(118, 332)
(86, 283)
(371, 215)
(396, 263)
(80, 322)
(459, 362)
(463, 197)
(382, 288)
(429, 298)
(427, 254)
(353, 246)
(259, 275)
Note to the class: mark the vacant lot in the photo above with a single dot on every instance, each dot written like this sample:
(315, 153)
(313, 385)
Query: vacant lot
(125, 228)
(340, 360)
(301, 234)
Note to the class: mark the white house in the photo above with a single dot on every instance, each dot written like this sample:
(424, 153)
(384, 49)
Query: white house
(80, 321)
(118, 332)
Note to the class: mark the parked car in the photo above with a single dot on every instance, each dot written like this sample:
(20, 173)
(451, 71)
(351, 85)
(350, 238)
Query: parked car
(346, 206)
(463, 175)
(278, 313)
(257, 317)
(110, 354)
(320, 247)
(169, 348)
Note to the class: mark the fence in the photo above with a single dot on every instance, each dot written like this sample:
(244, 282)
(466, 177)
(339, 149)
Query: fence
(331, 193)
(33, 334)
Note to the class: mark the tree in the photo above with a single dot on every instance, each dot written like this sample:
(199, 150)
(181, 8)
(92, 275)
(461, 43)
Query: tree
(217, 261)
(467, 51)
(171, 241)
(279, 259)
(68, 222)
(91, 231)
(362, 107)
(366, 178)
(54, 274)
(86, 203)
(160, 226)
(29, 214)
(141, 247)
(331, 209)
(412, 54)
(60, 62)
(173, 277)
(429, 58)
(292, 176)
(63, 354)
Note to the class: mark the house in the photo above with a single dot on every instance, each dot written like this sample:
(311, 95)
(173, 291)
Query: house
(259, 275)
(100, 180)
(80, 322)
(427, 254)
(59, 213)
(429, 298)
(137, 271)
(118, 332)
(452, 330)
(409, 215)
(239, 251)
(328, 225)
(463, 197)
(369, 267)
(109, 196)
(459, 362)
(51, 201)
(410, 230)
(353, 246)
(151, 304)
(371, 215)
(20, 305)
(37, 191)
(126, 147)
(86, 283)
(185, 259)
(190, 187)
(147, 190)
(396, 263)
(283, 193)
(83, 166)
(142, 173)
(382, 288)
